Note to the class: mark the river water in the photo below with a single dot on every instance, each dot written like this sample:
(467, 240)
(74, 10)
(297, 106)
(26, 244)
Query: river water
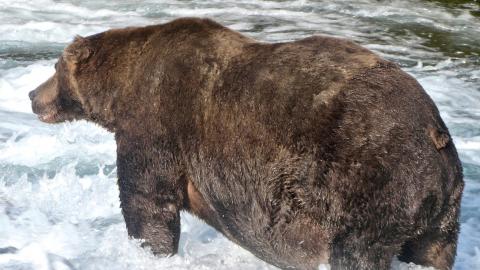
(59, 206)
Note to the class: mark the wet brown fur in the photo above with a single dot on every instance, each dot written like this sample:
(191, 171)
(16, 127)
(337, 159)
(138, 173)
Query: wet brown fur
(306, 152)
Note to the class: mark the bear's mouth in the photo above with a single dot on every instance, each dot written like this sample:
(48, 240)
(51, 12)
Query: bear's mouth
(50, 117)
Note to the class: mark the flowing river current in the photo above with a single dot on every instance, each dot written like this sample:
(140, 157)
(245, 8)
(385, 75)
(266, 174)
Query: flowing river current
(59, 205)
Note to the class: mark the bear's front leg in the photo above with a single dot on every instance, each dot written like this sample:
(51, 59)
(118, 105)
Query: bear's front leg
(151, 197)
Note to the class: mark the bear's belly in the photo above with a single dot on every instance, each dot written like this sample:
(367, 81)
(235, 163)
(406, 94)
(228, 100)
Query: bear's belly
(299, 245)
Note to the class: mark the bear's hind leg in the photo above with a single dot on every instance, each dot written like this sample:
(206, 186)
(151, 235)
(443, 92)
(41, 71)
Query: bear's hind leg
(361, 257)
(436, 249)
(437, 246)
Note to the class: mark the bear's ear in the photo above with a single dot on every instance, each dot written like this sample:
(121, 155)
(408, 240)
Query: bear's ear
(78, 51)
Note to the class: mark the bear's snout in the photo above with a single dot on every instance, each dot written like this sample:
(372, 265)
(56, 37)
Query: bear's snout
(35, 107)
(32, 94)
(53, 106)
(44, 109)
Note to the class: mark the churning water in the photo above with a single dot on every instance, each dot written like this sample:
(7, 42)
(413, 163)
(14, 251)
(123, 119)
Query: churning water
(59, 206)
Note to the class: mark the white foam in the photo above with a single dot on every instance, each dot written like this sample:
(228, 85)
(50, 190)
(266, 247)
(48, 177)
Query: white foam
(46, 31)
(52, 21)
(16, 83)
(398, 265)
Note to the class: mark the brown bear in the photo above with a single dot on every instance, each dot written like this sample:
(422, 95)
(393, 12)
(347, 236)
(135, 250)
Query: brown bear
(306, 152)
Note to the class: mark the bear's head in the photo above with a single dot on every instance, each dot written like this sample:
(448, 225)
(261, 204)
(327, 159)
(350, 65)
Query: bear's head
(58, 99)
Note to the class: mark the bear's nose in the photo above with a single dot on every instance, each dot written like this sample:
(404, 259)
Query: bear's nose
(32, 95)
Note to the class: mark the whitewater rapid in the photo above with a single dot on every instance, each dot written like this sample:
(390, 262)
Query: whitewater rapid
(59, 205)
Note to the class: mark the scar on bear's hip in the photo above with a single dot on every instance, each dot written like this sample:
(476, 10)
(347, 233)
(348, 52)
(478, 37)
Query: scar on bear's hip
(439, 137)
